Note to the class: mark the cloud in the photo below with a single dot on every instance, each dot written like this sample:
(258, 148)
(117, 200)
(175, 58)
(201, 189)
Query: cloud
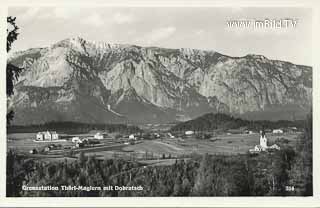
(66, 12)
(158, 34)
(29, 13)
(237, 10)
(199, 32)
(121, 18)
(50, 12)
(94, 20)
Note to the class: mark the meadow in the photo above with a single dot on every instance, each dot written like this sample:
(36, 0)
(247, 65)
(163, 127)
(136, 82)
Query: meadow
(163, 148)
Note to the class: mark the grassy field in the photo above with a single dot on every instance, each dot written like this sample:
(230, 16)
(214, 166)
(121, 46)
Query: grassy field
(23, 142)
(223, 144)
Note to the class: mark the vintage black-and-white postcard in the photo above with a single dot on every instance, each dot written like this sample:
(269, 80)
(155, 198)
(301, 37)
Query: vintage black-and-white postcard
(205, 103)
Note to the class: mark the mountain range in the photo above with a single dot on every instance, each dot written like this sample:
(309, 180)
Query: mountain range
(97, 82)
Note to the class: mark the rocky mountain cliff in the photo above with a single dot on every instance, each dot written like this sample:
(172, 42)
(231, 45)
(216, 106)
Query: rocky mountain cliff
(79, 80)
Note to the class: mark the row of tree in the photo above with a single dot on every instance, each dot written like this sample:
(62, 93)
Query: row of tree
(74, 127)
(212, 121)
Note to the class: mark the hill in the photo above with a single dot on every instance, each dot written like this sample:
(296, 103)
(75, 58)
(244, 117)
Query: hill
(211, 121)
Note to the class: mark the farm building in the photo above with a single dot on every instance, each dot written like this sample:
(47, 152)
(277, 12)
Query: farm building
(99, 135)
(47, 149)
(157, 135)
(79, 145)
(277, 131)
(47, 135)
(170, 135)
(132, 137)
(291, 129)
(248, 132)
(189, 133)
(258, 148)
(274, 146)
(33, 151)
(76, 139)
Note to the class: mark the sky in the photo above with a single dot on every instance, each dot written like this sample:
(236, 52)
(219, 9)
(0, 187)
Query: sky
(171, 27)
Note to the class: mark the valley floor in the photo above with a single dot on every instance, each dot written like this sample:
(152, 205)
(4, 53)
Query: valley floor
(143, 150)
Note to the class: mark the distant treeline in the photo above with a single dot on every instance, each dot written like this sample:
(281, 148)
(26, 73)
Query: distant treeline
(73, 127)
(211, 121)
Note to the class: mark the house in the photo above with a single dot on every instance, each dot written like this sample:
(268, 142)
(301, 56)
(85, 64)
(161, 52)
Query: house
(248, 132)
(99, 136)
(277, 131)
(188, 133)
(156, 135)
(170, 136)
(292, 129)
(79, 145)
(76, 139)
(47, 149)
(40, 136)
(256, 149)
(54, 135)
(274, 146)
(47, 135)
(33, 151)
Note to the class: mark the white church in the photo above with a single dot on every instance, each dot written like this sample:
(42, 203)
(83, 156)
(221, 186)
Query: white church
(263, 146)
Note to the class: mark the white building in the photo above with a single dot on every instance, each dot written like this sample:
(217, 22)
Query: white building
(257, 148)
(277, 131)
(170, 135)
(47, 135)
(98, 136)
(76, 139)
(274, 146)
(40, 136)
(131, 136)
(189, 133)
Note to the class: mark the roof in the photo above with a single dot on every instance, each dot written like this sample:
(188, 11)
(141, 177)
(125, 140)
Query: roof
(44, 132)
(258, 146)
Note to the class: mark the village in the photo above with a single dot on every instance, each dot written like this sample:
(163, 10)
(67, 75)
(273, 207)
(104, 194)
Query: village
(160, 144)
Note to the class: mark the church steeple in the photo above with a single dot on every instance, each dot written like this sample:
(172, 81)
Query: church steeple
(263, 139)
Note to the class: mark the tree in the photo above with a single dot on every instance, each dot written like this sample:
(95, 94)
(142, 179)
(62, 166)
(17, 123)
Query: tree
(186, 186)
(203, 181)
(82, 159)
(12, 70)
(301, 172)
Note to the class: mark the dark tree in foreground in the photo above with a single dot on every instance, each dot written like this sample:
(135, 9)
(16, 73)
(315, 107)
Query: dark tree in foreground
(301, 174)
(12, 70)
